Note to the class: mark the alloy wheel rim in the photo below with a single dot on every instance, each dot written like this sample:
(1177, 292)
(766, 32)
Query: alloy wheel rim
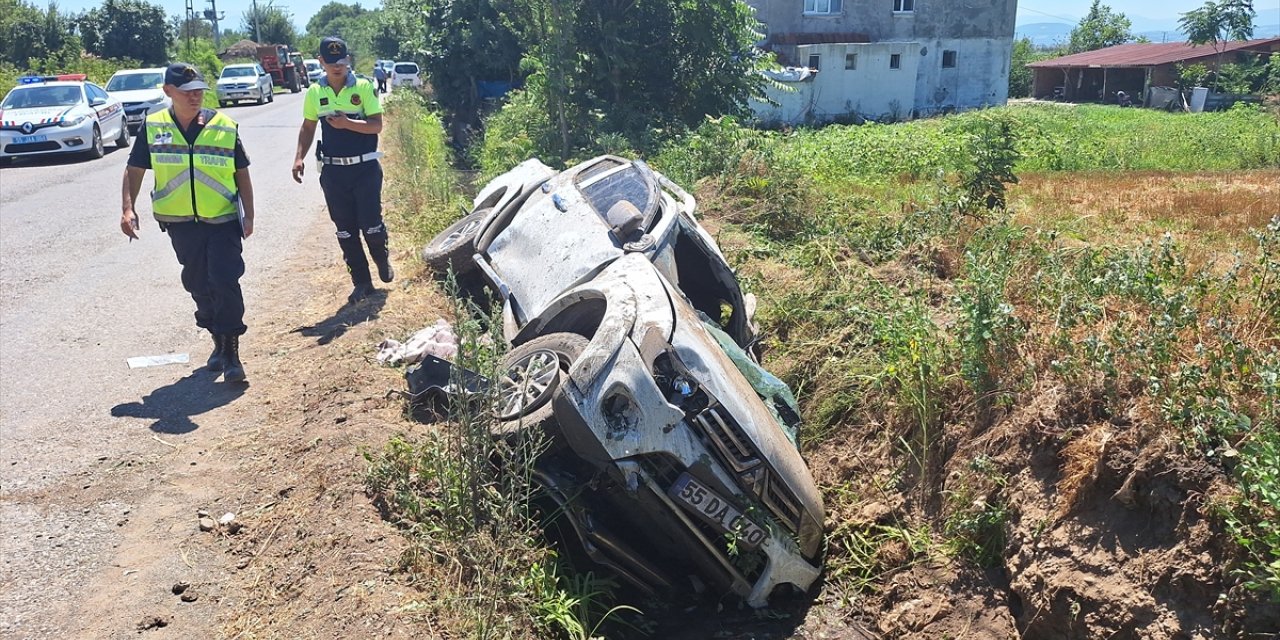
(457, 237)
(525, 382)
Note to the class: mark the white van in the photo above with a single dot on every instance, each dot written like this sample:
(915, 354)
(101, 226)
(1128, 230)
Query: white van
(405, 74)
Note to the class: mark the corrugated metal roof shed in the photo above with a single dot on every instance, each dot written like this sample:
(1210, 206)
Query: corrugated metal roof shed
(1150, 54)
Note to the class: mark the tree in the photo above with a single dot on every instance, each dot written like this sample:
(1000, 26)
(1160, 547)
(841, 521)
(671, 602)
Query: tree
(1099, 29)
(272, 25)
(1217, 23)
(320, 24)
(127, 29)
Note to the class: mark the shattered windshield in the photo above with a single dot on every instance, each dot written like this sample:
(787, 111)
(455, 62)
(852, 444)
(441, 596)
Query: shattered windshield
(627, 184)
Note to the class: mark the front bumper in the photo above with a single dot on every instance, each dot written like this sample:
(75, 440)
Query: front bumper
(47, 140)
(233, 95)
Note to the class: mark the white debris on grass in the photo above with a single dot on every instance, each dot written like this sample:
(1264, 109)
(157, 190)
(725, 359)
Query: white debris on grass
(436, 340)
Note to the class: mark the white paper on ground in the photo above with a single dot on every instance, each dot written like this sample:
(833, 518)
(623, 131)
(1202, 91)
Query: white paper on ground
(155, 361)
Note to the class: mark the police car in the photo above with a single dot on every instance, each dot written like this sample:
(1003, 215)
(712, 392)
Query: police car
(59, 114)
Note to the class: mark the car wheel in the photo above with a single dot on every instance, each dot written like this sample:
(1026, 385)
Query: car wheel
(271, 94)
(6, 161)
(122, 141)
(455, 244)
(262, 97)
(222, 104)
(96, 150)
(530, 375)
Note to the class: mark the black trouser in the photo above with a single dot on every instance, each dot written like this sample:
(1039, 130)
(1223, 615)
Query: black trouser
(354, 196)
(211, 270)
(382, 85)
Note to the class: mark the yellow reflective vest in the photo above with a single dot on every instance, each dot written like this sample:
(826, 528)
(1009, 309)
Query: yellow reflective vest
(193, 180)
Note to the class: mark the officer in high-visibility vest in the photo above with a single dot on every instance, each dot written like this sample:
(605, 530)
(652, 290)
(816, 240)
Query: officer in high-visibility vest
(350, 118)
(202, 186)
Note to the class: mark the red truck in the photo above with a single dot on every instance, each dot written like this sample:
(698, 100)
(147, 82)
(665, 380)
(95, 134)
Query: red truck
(275, 60)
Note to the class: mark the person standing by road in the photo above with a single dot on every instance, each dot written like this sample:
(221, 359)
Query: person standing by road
(350, 175)
(201, 184)
(380, 74)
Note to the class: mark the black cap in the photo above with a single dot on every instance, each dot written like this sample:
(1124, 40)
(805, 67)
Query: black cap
(333, 49)
(184, 76)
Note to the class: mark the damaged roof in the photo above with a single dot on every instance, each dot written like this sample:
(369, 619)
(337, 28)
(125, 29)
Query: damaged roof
(1151, 54)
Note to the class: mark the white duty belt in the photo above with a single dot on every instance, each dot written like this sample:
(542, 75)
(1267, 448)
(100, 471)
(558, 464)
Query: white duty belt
(343, 161)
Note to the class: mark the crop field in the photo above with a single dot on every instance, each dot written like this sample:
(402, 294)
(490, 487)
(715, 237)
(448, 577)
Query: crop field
(1035, 347)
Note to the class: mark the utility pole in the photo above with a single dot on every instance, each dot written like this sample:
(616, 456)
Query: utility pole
(257, 31)
(191, 15)
(212, 15)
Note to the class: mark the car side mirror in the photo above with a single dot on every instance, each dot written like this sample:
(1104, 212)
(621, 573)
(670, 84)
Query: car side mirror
(97, 102)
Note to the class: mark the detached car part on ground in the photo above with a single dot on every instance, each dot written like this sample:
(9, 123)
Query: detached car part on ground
(672, 451)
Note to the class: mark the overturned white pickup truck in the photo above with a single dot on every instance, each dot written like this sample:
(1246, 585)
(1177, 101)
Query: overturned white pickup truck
(673, 452)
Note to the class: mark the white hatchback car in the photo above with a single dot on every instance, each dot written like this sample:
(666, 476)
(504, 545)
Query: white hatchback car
(59, 114)
(314, 70)
(141, 93)
(244, 82)
(405, 74)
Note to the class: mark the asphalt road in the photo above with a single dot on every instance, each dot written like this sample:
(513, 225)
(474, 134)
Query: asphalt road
(76, 300)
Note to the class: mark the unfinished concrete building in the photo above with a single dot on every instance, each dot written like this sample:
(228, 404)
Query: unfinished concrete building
(886, 59)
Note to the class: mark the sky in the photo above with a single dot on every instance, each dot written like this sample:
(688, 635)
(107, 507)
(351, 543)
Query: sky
(1070, 11)
(302, 10)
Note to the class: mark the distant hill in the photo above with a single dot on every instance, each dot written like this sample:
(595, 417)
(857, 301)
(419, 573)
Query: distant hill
(1046, 34)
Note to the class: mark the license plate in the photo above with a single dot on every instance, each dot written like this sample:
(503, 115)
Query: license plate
(29, 139)
(716, 511)
(133, 118)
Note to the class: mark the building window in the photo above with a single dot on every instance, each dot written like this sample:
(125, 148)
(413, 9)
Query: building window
(850, 61)
(948, 59)
(895, 61)
(815, 62)
(903, 6)
(823, 6)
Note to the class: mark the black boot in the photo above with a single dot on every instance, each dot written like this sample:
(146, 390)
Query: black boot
(360, 292)
(385, 272)
(234, 371)
(216, 361)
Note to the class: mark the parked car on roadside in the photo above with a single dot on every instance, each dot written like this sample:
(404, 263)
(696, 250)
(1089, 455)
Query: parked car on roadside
(672, 451)
(59, 114)
(405, 74)
(314, 70)
(239, 82)
(141, 93)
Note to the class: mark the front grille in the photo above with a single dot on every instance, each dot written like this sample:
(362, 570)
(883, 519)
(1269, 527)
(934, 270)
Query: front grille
(663, 468)
(784, 505)
(728, 437)
(29, 147)
(737, 450)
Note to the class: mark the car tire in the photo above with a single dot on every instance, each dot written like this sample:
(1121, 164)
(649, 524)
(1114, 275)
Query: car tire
(122, 141)
(262, 98)
(455, 245)
(222, 104)
(271, 94)
(530, 375)
(96, 150)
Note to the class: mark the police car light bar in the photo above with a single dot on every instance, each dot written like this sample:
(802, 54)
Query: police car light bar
(75, 77)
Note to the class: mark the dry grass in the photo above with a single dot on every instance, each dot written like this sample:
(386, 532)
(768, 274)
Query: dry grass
(1212, 210)
(1081, 463)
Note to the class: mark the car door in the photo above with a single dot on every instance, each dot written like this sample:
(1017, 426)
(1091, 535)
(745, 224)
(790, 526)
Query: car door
(109, 111)
(264, 80)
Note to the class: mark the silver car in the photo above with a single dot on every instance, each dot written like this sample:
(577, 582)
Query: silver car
(244, 82)
(673, 452)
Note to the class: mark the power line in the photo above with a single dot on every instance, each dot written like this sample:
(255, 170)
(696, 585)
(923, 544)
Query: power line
(1062, 18)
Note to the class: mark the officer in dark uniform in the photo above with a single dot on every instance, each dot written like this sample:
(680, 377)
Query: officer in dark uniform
(202, 186)
(350, 117)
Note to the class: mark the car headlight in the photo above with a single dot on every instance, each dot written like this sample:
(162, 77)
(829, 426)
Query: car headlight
(73, 122)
